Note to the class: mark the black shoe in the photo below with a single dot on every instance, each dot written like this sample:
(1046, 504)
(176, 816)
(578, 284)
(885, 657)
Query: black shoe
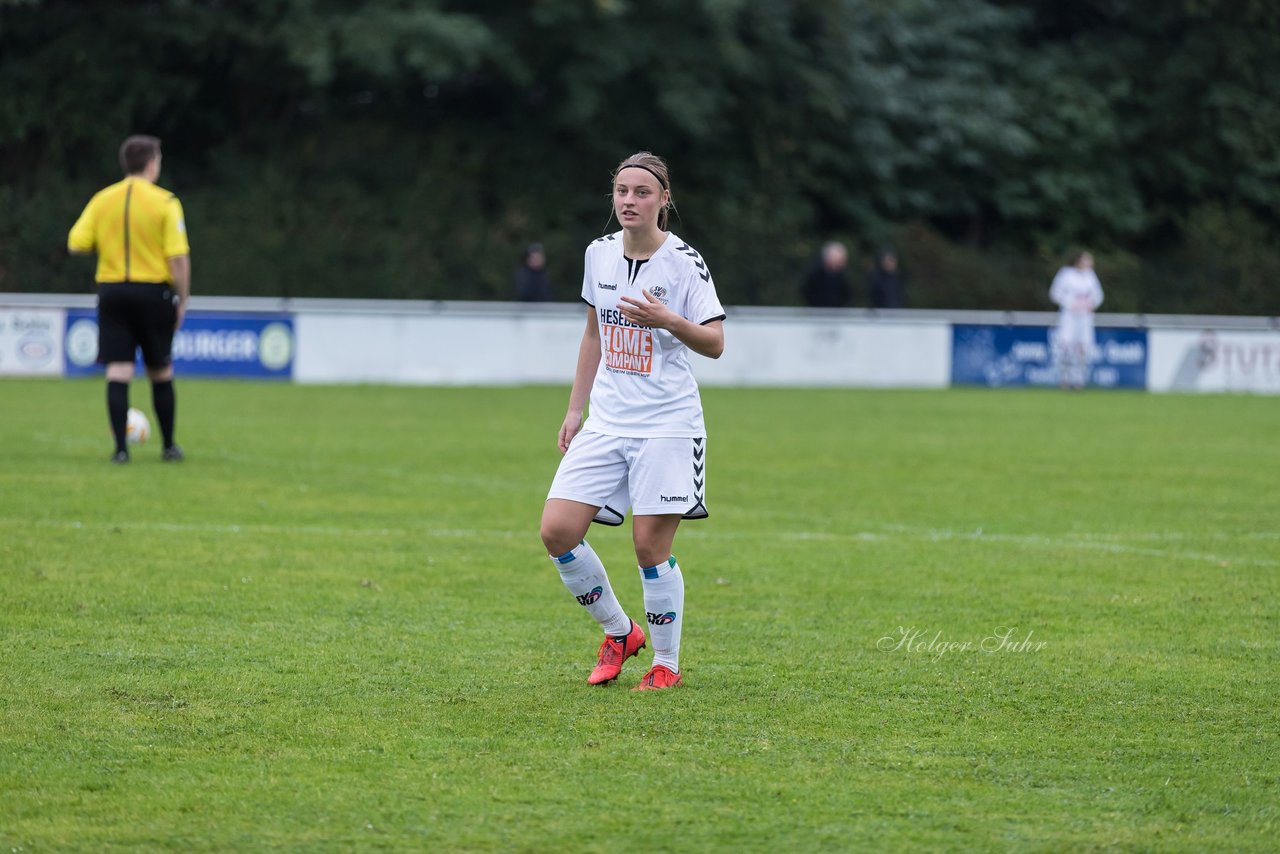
(172, 454)
(120, 457)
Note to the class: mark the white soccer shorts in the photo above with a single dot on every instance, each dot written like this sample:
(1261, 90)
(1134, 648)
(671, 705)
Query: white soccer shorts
(652, 477)
(1075, 333)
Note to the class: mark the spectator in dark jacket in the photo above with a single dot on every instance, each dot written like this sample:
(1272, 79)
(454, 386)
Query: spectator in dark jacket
(827, 285)
(884, 285)
(532, 284)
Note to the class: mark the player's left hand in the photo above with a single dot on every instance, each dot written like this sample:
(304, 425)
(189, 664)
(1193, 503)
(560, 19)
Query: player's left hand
(650, 312)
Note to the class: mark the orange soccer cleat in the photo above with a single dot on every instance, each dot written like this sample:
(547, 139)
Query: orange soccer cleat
(613, 653)
(659, 676)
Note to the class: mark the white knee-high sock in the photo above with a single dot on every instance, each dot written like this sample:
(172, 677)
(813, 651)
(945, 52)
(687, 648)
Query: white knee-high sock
(584, 575)
(664, 607)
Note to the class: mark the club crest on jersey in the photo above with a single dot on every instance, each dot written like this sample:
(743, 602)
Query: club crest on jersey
(659, 292)
(660, 619)
(591, 596)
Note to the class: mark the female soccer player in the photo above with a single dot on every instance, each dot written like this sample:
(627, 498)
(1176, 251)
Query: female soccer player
(1078, 293)
(651, 300)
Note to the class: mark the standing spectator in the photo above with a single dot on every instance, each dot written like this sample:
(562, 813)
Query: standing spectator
(1077, 293)
(884, 284)
(532, 284)
(827, 285)
(144, 281)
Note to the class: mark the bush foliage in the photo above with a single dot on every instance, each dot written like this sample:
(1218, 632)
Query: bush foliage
(410, 149)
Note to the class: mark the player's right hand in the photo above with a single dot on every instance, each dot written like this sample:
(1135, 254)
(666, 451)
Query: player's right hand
(572, 424)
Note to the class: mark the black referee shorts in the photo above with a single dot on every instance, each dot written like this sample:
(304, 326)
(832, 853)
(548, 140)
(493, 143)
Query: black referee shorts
(133, 315)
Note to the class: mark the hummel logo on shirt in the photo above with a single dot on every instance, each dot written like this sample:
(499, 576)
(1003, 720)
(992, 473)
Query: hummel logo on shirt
(602, 286)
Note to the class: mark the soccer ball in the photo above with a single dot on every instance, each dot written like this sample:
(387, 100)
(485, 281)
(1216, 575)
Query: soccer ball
(137, 427)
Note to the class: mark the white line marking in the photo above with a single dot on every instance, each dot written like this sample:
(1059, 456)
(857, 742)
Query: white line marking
(1080, 541)
(1103, 542)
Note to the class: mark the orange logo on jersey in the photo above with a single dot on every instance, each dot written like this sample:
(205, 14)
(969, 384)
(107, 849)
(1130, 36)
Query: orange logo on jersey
(627, 348)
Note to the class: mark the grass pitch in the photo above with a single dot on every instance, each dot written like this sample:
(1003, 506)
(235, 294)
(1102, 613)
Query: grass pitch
(960, 619)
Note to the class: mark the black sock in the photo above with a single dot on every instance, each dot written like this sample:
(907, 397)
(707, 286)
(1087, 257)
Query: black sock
(118, 412)
(165, 402)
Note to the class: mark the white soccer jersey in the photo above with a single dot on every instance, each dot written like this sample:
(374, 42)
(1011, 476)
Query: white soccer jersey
(644, 386)
(1076, 291)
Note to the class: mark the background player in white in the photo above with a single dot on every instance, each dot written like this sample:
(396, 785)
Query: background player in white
(1078, 293)
(651, 300)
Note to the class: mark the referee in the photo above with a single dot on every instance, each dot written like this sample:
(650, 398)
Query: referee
(144, 281)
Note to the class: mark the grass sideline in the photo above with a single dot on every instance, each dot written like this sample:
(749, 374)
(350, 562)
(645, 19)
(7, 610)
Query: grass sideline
(334, 628)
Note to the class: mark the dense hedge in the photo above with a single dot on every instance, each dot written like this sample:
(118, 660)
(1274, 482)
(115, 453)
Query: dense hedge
(411, 149)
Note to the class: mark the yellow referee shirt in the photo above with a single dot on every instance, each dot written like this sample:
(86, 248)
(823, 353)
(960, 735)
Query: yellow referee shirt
(135, 227)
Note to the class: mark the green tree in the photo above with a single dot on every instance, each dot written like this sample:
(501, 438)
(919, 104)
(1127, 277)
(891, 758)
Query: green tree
(409, 149)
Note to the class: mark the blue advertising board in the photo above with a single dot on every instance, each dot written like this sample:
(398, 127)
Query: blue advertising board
(1023, 356)
(209, 344)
